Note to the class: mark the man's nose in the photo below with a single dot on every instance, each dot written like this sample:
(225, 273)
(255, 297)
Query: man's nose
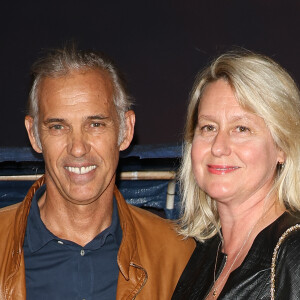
(221, 144)
(78, 144)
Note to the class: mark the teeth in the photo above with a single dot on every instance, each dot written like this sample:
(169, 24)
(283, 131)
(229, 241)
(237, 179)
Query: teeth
(82, 170)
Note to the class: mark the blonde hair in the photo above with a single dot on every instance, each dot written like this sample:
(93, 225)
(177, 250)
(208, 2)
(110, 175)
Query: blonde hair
(264, 88)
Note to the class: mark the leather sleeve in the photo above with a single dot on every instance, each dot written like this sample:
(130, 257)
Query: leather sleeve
(287, 270)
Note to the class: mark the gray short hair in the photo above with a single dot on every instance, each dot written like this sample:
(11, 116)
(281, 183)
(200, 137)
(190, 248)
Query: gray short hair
(60, 62)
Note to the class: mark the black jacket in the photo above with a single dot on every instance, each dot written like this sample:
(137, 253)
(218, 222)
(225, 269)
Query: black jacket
(252, 279)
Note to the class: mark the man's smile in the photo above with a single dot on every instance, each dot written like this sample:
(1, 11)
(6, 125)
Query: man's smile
(80, 170)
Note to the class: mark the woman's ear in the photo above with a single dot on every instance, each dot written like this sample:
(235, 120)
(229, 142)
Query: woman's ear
(281, 157)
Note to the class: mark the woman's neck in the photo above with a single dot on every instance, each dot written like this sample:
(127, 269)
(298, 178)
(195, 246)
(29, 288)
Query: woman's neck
(240, 225)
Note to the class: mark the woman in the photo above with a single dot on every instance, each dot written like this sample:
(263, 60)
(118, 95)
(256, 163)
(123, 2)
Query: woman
(240, 182)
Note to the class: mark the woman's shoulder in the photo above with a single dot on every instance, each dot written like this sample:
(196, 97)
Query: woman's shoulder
(285, 267)
(286, 253)
(287, 222)
(289, 240)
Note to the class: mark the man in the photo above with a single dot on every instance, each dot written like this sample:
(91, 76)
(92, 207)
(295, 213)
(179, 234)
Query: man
(74, 236)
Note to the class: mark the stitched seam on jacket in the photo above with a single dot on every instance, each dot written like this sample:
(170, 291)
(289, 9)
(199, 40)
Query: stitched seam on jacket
(138, 288)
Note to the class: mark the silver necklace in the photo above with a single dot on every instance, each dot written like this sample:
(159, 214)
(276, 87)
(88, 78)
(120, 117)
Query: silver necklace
(215, 287)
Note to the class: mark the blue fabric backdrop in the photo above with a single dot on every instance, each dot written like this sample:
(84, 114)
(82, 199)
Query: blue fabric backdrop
(149, 194)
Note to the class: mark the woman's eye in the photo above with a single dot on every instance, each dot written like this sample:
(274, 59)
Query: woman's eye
(208, 128)
(242, 129)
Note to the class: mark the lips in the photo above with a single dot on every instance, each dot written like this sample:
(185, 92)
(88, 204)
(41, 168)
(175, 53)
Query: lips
(80, 170)
(221, 169)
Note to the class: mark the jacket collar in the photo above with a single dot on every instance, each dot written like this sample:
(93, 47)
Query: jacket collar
(21, 219)
(127, 255)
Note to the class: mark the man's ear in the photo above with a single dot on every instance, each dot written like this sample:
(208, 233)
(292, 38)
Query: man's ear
(29, 127)
(129, 131)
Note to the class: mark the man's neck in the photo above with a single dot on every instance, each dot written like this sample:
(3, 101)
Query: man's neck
(73, 222)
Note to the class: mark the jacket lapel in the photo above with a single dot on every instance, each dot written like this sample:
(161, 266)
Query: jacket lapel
(132, 274)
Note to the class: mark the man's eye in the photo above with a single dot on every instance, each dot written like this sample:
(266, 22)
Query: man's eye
(95, 125)
(57, 127)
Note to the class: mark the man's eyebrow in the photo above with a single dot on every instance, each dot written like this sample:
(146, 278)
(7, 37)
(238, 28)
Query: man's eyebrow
(59, 120)
(54, 120)
(97, 117)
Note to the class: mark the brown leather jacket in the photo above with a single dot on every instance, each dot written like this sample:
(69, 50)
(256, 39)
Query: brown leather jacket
(151, 257)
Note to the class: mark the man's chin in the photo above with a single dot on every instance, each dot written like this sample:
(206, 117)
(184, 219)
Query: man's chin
(81, 199)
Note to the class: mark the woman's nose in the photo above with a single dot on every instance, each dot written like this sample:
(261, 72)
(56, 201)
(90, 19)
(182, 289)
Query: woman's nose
(221, 145)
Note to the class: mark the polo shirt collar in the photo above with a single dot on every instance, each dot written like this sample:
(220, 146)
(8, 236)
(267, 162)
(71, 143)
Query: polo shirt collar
(38, 235)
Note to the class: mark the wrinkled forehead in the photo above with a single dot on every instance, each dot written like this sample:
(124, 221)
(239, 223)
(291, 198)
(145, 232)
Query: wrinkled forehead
(91, 92)
(76, 84)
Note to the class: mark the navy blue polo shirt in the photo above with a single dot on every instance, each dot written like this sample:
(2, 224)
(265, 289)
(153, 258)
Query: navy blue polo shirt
(61, 269)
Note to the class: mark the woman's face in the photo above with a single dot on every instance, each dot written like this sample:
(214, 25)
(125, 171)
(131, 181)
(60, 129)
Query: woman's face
(234, 157)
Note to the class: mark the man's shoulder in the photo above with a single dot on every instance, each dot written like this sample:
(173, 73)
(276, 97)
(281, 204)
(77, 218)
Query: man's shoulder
(145, 218)
(153, 227)
(7, 219)
(9, 211)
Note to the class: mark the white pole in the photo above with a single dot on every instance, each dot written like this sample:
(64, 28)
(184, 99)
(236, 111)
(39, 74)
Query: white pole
(171, 194)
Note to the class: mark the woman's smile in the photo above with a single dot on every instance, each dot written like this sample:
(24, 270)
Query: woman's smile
(221, 169)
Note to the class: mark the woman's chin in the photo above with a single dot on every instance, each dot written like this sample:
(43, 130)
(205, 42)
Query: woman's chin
(220, 193)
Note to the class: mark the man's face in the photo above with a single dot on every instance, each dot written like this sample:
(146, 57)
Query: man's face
(78, 127)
